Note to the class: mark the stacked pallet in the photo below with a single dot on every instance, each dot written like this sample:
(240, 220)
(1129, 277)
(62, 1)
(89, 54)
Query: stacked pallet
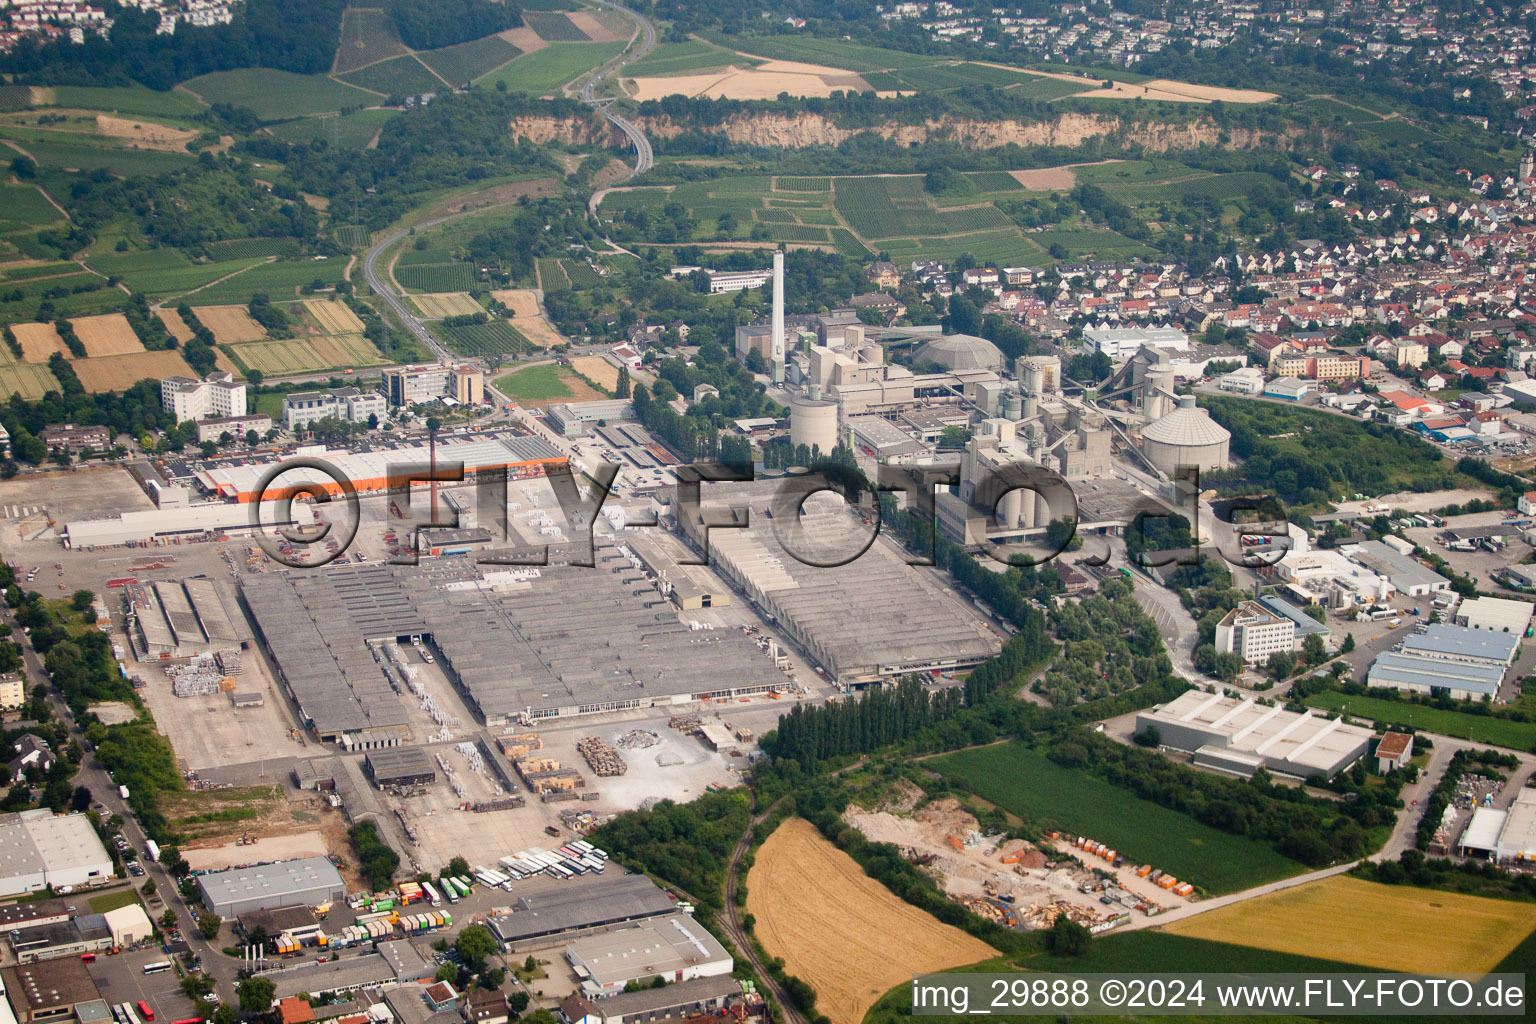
(604, 761)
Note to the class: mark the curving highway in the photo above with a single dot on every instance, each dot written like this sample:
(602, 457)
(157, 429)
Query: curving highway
(382, 289)
(604, 105)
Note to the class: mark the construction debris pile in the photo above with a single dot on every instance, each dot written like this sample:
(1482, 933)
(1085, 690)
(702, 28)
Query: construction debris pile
(604, 761)
(1044, 914)
(637, 739)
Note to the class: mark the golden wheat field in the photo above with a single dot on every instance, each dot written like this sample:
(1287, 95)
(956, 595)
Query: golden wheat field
(840, 931)
(439, 304)
(114, 373)
(106, 335)
(306, 355)
(175, 325)
(598, 370)
(334, 317)
(24, 379)
(1393, 927)
(38, 342)
(231, 325)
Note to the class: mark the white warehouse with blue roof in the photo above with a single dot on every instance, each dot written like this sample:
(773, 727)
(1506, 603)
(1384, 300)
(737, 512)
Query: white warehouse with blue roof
(1463, 663)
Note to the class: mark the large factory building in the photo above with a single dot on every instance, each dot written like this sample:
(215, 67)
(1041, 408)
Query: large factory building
(1242, 736)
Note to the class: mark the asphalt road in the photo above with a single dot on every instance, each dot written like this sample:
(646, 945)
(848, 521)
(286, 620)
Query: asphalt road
(382, 289)
(644, 158)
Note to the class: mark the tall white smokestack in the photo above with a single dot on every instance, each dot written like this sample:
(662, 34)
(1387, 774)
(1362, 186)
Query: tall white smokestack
(778, 316)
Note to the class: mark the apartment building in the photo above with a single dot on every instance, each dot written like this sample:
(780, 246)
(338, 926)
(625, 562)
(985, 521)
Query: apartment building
(216, 396)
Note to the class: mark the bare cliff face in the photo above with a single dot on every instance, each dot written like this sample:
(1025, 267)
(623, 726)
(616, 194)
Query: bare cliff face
(542, 130)
(780, 131)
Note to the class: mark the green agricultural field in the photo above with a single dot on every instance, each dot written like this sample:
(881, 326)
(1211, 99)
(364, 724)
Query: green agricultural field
(158, 282)
(1140, 952)
(544, 383)
(554, 27)
(1397, 130)
(1025, 782)
(1331, 110)
(23, 206)
(36, 270)
(421, 257)
(1121, 172)
(248, 248)
(552, 277)
(436, 277)
(353, 236)
(495, 338)
(580, 275)
(367, 36)
(1215, 187)
(1102, 243)
(793, 184)
(134, 99)
(276, 95)
(1481, 728)
(398, 76)
(96, 152)
(690, 57)
(345, 131)
(278, 281)
(831, 52)
(994, 181)
(304, 355)
(545, 71)
(124, 263)
(469, 61)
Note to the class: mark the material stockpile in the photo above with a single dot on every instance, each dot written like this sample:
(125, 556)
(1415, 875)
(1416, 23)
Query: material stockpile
(685, 723)
(545, 775)
(196, 678)
(229, 661)
(520, 744)
(1044, 915)
(637, 739)
(604, 761)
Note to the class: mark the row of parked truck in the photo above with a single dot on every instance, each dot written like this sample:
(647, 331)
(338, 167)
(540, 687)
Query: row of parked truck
(577, 857)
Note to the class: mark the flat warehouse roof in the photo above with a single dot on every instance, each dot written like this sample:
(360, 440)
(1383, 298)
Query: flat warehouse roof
(514, 647)
(1394, 669)
(1246, 727)
(581, 903)
(658, 946)
(875, 615)
(389, 763)
(296, 877)
(1462, 642)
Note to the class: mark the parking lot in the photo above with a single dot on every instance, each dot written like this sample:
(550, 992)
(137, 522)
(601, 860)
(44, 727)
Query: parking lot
(121, 979)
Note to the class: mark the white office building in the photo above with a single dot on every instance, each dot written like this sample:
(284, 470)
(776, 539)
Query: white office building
(1253, 632)
(303, 408)
(216, 396)
(1123, 342)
